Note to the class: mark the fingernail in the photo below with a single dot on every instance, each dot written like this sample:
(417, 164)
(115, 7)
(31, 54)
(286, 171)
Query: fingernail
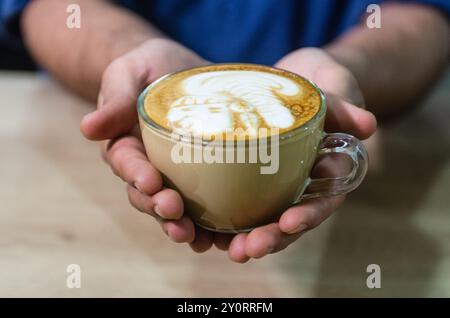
(299, 229)
(157, 210)
(134, 185)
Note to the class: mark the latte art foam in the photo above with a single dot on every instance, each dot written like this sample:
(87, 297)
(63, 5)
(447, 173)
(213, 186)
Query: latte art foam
(215, 100)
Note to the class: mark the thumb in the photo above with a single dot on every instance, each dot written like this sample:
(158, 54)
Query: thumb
(343, 116)
(116, 106)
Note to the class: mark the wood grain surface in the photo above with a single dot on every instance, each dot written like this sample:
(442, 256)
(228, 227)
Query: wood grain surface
(60, 205)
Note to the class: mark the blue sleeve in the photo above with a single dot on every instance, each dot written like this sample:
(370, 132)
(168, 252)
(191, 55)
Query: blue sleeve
(10, 11)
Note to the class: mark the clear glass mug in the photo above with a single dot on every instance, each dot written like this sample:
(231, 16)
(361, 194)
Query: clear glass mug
(236, 197)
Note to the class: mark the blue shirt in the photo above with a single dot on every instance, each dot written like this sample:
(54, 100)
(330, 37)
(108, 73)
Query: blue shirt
(258, 31)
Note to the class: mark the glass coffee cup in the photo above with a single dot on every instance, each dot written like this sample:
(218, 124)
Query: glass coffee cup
(234, 197)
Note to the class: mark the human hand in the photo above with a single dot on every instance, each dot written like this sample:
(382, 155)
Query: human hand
(345, 114)
(115, 123)
(344, 98)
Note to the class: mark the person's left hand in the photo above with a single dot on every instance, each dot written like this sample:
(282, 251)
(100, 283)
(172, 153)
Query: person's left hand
(345, 114)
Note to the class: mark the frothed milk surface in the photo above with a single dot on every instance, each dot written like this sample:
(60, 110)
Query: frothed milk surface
(217, 100)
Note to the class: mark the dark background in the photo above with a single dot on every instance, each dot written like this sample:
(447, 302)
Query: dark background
(13, 55)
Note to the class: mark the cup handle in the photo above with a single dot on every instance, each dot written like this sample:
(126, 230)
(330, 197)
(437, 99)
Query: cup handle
(339, 143)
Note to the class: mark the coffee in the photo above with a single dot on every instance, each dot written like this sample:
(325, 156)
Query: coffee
(217, 100)
(210, 101)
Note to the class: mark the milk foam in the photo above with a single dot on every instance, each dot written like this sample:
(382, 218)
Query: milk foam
(213, 99)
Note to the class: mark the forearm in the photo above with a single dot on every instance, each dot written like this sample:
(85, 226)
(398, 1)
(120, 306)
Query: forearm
(78, 57)
(396, 64)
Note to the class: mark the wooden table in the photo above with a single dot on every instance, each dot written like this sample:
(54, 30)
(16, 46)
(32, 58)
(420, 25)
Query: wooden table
(60, 204)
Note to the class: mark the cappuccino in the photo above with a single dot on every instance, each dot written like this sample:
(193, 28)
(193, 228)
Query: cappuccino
(267, 104)
(217, 101)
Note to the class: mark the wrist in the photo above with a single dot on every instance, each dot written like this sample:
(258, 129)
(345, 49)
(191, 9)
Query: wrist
(129, 43)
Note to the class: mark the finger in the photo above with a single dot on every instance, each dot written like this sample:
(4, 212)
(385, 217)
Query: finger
(114, 119)
(267, 239)
(116, 114)
(203, 240)
(127, 159)
(345, 117)
(180, 231)
(166, 204)
(308, 215)
(105, 145)
(140, 201)
(222, 241)
(236, 251)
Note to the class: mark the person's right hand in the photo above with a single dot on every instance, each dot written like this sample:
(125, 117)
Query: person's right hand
(115, 123)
